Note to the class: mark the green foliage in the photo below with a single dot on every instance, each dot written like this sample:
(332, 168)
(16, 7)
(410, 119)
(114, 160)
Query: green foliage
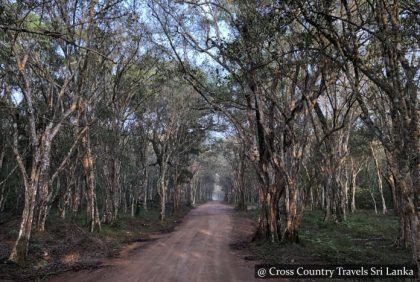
(12, 234)
(185, 176)
(363, 238)
(367, 184)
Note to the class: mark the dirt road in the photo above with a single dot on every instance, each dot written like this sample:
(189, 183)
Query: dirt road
(198, 250)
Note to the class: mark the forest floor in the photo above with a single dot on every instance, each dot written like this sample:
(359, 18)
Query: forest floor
(212, 243)
(66, 245)
(364, 238)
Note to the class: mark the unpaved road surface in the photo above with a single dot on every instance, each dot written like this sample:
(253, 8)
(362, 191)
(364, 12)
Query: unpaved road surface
(198, 250)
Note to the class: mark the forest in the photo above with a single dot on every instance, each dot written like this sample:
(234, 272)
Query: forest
(302, 115)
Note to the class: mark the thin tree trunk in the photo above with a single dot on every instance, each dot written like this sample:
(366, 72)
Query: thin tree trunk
(374, 201)
(176, 194)
(354, 172)
(40, 165)
(146, 189)
(162, 189)
(92, 208)
(379, 177)
(391, 182)
(20, 248)
(162, 195)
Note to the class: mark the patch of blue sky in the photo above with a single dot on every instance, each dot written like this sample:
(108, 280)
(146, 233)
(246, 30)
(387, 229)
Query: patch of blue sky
(17, 96)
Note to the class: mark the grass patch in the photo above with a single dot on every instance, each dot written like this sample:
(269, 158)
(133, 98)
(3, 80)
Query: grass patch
(364, 238)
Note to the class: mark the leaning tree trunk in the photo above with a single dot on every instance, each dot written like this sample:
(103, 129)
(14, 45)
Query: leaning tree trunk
(20, 249)
(32, 183)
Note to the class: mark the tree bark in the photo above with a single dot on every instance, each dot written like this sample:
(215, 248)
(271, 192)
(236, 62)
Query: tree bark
(162, 189)
(379, 178)
(268, 228)
(92, 207)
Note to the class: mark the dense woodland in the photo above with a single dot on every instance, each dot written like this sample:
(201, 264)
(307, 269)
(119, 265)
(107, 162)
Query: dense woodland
(114, 107)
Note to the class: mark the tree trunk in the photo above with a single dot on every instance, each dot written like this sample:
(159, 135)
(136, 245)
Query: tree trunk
(43, 182)
(194, 192)
(379, 177)
(291, 234)
(353, 197)
(373, 201)
(112, 187)
(176, 198)
(332, 197)
(344, 198)
(241, 184)
(176, 194)
(146, 189)
(408, 211)
(162, 189)
(92, 208)
(20, 249)
(38, 179)
(355, 170)
(43, 205)
(391, 182)
(268, 227)
(162, 198)
(353, 190)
